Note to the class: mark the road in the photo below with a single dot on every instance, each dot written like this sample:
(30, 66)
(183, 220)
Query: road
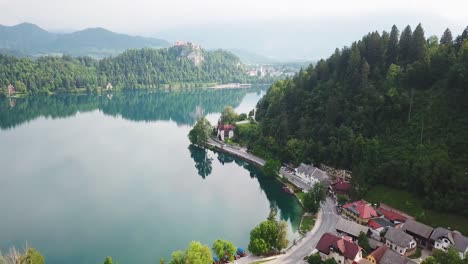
(326, 219)
(326, 222)
(237, 152)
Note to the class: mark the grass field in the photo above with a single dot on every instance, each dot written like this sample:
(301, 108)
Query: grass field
(307, 223)
(413, 205)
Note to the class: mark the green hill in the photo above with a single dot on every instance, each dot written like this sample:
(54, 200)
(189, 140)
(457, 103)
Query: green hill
(175, 67)
(393, 109)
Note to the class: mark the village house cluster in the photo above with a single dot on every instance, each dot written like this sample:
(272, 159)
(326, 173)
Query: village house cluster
(393, 235)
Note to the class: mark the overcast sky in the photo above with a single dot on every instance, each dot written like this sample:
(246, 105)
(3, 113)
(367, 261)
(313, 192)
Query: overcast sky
(149, 16)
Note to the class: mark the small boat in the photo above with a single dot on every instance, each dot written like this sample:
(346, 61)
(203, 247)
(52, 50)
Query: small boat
(288, 190)
(241, 252)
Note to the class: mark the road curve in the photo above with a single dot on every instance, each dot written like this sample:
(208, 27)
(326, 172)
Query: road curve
(326, 220)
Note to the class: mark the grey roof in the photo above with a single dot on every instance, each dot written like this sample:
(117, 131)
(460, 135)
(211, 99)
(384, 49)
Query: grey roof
(374, 243)
(440, 232)
(306, 169)
(349, 227)
(391, 257)
(398, 237)
(417, 228)
(320, 175)
(461, 241)
(383, 222)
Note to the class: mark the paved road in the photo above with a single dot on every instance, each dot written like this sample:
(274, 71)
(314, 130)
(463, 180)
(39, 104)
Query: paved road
(239, 152)
(326, 222)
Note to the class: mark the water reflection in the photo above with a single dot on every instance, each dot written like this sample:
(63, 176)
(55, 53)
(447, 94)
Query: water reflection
(202, 160)
(183, 107)
(289, 209)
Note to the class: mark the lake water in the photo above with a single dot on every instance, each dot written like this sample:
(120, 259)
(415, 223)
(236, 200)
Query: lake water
(83, 177)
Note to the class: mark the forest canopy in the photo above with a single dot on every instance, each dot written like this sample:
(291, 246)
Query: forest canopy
(392, 107)
(136, 68)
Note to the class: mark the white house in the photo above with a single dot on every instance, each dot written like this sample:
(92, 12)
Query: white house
(225, 131)
(400, 242)
(443, 238)
(311, 174)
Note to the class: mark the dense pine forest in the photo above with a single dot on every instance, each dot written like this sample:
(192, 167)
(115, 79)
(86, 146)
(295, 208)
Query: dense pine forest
(137, 68)
(392, 107)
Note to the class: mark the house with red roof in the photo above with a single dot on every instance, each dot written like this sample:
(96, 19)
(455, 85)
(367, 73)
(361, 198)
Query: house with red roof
(225, 131)
(340, 187)
(359, 211)
(394, 215)
(11, 90)
(340, 249)
(383, 255)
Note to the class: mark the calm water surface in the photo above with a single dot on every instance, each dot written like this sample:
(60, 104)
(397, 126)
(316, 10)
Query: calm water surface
(83, 177)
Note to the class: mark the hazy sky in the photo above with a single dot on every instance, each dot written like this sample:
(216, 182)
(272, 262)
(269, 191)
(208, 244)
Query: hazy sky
(149, 16)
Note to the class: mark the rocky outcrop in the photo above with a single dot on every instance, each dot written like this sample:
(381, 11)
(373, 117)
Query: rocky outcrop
(190, 51)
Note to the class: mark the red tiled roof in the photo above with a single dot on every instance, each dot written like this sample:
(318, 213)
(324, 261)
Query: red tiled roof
(341, 187)
(378, 253)
(373, 224)
(393, 214)
(325, 242)
(346, 248)
(365, 210)
(225, 127)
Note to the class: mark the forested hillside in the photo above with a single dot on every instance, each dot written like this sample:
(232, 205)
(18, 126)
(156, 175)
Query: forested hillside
(392, 108)
(138, 68)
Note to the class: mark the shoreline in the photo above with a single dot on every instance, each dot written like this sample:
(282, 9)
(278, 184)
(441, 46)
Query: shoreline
(231, 85)
(254, 160)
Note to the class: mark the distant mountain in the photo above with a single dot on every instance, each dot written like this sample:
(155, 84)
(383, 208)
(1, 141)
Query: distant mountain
(29, 39)
(252, 58)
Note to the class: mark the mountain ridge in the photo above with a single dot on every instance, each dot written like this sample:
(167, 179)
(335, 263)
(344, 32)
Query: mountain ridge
(32, 40)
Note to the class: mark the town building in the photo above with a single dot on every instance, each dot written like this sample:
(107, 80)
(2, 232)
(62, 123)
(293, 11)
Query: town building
(349, 228)
(340, 187)
(379, 225)
(11, 90)
(359, 211)
(400, 242)
(392, 214)
(343, 251)
(442, 238)
(383, 255)
(311, 174)
(419, 231)
(225, 131)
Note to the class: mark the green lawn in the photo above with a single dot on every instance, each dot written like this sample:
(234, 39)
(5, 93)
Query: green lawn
(307, 223)
(413, 205)
(300, 195)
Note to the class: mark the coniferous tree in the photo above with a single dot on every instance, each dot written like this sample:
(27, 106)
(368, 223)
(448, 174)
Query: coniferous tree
(392, 47)
(405, 45)
(418, 50)
(446, 39)
(460, 39)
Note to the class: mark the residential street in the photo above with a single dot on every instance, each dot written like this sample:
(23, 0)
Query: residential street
(326, 222)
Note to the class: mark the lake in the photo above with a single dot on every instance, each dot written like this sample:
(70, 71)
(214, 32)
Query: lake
(87, 176)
